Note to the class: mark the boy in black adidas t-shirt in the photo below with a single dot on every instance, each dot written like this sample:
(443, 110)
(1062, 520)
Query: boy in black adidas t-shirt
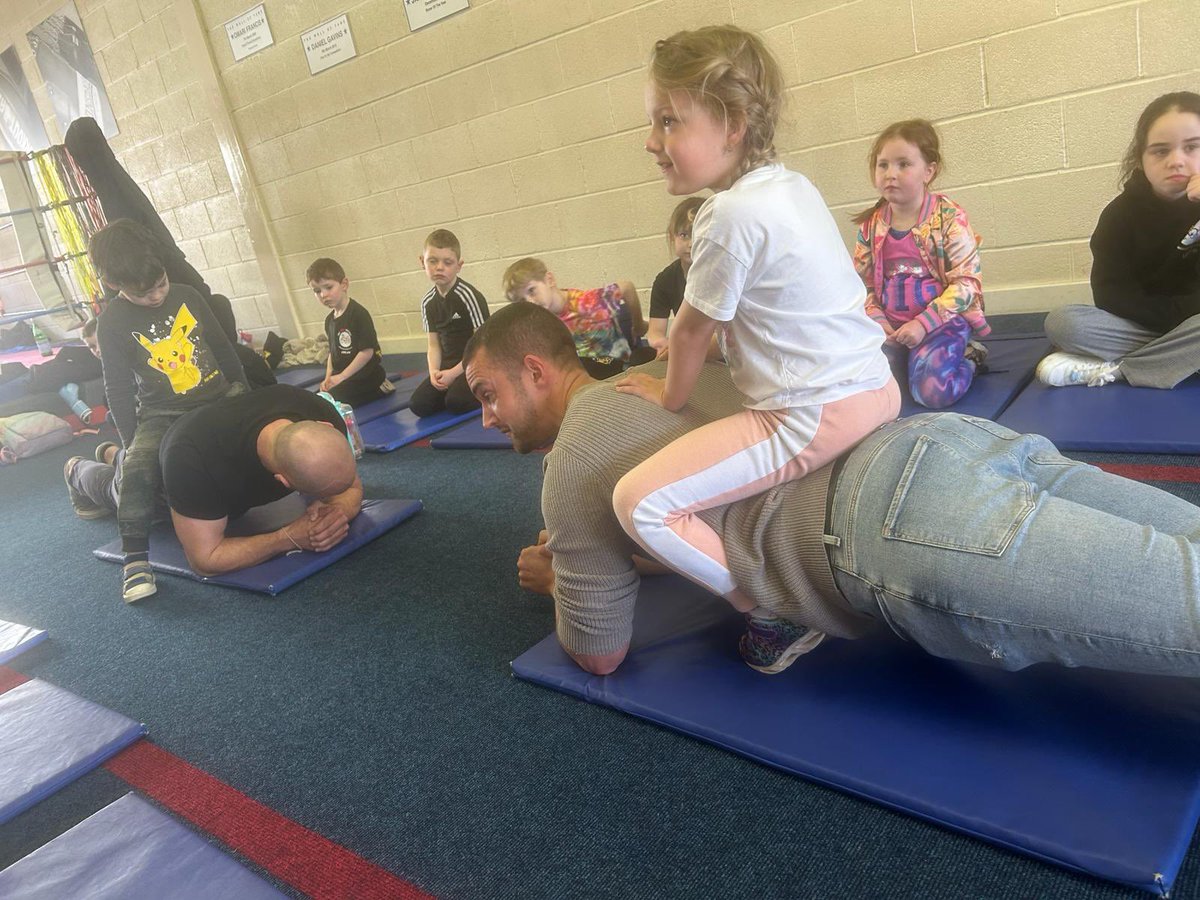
(354, 372)
(450, 312)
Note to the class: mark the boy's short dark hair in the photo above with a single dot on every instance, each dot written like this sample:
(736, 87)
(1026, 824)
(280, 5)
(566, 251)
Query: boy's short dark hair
(523, 328)
(126, 256)
(325, 268)
(441, 239)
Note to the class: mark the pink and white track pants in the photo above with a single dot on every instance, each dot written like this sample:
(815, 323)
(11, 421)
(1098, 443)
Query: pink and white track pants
(731, 459)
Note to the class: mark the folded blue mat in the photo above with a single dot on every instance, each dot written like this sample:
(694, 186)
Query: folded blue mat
(278, 574)
(1095, 771)
(130, 849)
(1114, 417)
(48, 738)
(472, 436)
(401, 428)
(16, 639)
(1011, 362)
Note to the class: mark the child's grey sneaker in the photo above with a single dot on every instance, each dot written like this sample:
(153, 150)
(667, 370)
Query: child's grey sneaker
(137, 581)
(771, 645)
(1066, 369)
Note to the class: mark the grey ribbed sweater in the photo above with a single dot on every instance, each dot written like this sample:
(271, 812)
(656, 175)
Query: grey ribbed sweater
(773, 541)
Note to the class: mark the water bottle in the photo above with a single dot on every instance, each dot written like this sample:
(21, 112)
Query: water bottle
(353, 435)
(39, 338)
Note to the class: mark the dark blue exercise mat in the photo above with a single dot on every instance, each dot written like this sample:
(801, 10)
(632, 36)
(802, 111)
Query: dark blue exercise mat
(278, 574)
(48, 738)
(1011, 362)
(300, 376)
(1095, 771)
(16, 639)
(472, 436)
(401, 428)
(130, 849)
(1115, 417)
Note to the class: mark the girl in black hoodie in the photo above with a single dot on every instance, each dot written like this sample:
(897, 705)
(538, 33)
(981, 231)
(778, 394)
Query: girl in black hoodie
(1145, 325)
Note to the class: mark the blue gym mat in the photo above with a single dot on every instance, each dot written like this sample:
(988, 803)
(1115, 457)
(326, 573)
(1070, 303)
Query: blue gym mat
(401, 428)
(1095, 771)
(1011, 362)
(300, 376)
(15, 639)
(472, 436)
(130, 849)
(48, 738)
(384, 406)
(1115, 417)
(278, 574)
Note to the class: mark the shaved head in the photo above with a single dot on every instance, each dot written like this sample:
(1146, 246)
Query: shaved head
(315, 458)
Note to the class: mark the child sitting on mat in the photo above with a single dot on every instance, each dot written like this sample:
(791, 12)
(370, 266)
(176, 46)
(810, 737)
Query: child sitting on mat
(354, 369)
(919, 259)
(1145, 325)
(605, 322)
(450, 313)
(771, 277)
(163, 353)
(667, 292)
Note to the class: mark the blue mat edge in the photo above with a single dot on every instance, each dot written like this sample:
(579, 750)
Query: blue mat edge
(390, 446)
(21, 648)
(1175, 854)
(316, 564)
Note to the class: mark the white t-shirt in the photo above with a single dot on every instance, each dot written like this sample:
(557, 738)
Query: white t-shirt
(768, 263)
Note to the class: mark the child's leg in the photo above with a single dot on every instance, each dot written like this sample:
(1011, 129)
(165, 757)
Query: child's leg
(140, 482)
(1089, 331)
(938, 374)
(356, 393)
(1167, 360)
(427, 400)
(727, 460)
(459, 398)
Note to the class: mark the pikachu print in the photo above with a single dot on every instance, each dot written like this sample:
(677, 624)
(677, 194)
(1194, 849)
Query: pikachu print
(175, 355)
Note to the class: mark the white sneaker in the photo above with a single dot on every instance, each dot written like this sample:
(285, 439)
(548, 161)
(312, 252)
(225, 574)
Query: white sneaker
(1065, 369)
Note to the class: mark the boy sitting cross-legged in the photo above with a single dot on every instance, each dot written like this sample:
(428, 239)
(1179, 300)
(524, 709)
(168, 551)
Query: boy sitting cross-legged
(450, 312)
(354, 370)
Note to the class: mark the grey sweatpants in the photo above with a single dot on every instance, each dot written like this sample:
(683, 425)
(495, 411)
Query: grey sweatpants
(1148, 358)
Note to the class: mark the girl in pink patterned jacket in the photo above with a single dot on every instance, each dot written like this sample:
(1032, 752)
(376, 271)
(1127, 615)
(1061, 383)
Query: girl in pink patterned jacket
(919, 259)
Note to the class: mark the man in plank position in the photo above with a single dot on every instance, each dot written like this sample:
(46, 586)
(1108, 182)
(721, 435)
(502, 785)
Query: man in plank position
(973, 541)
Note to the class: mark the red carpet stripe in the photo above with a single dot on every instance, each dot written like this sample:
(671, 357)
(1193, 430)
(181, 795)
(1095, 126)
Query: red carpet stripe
(289, 851)
(10, 678)
(1152, 473)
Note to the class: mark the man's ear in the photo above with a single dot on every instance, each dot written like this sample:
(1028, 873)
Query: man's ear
(539, 372)
(283, 481)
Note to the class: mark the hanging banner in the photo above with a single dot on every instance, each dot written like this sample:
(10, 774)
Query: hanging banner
(64, 57)
(21, 125)
(249, 33)
(328, 44)
(425, 12)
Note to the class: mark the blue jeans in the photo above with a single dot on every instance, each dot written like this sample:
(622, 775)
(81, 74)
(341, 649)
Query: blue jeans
(984, 545)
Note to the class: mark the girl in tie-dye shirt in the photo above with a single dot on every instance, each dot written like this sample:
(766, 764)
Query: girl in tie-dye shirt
(919, 259)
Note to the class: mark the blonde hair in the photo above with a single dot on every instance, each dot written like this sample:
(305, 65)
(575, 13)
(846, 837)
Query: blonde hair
(521, 273)
(918, 132)
(682, 216)
(732, 75)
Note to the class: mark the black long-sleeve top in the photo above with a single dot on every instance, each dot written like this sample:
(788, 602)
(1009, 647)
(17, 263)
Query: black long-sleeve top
(1139, 271)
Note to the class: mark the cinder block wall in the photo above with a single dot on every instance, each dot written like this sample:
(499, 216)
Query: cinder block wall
(167, 141)
(519, 124)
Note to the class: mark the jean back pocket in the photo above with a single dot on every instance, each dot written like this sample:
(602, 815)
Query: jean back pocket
(947, 500)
